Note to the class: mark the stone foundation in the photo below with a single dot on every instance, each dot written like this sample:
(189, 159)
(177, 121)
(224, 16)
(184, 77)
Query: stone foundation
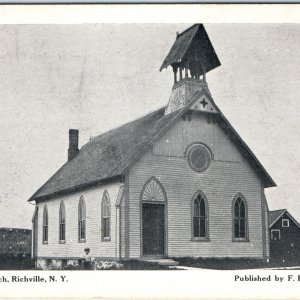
(57, 264)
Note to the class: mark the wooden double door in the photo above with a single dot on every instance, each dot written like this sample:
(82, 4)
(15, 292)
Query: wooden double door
(153, 222)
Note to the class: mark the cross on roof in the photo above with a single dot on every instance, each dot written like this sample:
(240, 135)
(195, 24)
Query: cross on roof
(204, 102)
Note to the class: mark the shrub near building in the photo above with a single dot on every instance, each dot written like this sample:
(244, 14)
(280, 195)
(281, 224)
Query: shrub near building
(15, 249)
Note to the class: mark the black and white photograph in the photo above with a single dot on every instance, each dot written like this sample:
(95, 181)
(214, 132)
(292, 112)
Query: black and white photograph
(150, 147)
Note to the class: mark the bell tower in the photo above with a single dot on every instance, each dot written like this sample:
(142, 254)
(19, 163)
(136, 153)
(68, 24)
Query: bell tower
(191, 57)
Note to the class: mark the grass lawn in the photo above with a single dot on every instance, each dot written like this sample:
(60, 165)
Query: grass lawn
(201, 263)
(233, 264)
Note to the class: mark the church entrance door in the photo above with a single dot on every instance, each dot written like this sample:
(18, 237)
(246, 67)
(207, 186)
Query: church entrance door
(153, 229)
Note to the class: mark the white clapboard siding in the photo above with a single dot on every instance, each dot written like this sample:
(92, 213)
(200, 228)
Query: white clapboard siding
(35, 229)
(116, 221)
(176, 141)
(267, 231)
(227, 175)
(123, 228)
(72, 248)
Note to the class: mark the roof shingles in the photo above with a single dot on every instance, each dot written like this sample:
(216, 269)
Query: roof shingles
(107, 155)
(194, 39)
(274, 215)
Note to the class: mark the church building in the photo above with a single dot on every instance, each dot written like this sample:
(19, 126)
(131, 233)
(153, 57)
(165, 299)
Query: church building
(178, 182)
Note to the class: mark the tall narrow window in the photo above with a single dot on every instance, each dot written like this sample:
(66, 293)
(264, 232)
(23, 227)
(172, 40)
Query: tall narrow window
(62, 223)
(240, 223)
(45, 225)
(105, 216)
(200, 213)
(81, 220)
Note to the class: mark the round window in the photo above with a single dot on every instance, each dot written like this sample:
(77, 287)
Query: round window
(198, 157)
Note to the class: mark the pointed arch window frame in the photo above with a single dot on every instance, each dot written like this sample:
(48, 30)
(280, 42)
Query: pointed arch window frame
(162, 193)
(105, 217)
(81, 220)
(205, 238)
(45, 234)
(239, 219)
(62, 223)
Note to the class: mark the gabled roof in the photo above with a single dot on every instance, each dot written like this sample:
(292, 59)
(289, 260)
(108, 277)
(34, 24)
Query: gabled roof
(106, 156)
(275, 215)
(191, 40)
(109, 155)
(245, 150)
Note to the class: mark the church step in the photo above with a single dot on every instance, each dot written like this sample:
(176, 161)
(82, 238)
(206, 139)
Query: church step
(163, 261)
(168, 262)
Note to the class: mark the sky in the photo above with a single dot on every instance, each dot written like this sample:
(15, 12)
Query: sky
(95, 77)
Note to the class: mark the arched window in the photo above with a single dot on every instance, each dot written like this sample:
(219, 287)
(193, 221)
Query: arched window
(62, 222)
(105, 209)
(45, 225)
(200, 216)
(240, 222)
(81, 220)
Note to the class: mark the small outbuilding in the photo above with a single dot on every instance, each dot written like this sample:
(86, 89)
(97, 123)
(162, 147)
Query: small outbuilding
(284, 236)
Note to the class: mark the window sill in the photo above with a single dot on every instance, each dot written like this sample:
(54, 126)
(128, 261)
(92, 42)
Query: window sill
(45, 243)
(82, 241)
(240, 240)
(62, 242)
(200, 239)
(106, 239)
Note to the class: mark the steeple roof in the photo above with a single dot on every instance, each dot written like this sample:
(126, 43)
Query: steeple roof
(193, 47)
